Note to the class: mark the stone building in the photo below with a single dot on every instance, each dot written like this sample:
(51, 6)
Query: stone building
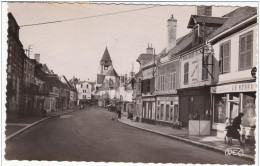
(15, 64)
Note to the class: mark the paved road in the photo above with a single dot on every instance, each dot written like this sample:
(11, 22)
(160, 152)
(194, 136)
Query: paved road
(90, 135)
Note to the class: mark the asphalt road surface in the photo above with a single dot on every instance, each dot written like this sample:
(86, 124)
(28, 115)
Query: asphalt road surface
(91, 135)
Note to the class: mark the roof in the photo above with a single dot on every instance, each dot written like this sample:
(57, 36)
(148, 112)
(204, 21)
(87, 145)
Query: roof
(236, 17)
(184, 44)
(194, 19)
(106, 57)
(112, 72)
(100, 78)
(146, 57)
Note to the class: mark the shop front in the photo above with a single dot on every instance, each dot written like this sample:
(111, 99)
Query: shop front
(148, 110)
(195, 110)
(167, 110)
(230, 100)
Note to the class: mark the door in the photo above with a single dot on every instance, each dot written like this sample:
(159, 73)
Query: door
(184, 110)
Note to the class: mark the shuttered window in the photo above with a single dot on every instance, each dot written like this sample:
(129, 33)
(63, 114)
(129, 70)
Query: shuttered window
(246, 51)
(172, 81)
(186, 73)
(224, 57)
(162, 83)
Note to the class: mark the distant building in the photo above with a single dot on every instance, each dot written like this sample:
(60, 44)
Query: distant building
(84, 90)
(15, 63)
(29, 85)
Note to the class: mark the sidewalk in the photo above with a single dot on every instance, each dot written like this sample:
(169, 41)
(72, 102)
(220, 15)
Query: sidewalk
(18, 124)
(209, 142)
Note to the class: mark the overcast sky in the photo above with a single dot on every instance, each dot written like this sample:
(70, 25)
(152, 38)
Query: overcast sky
(74, 48)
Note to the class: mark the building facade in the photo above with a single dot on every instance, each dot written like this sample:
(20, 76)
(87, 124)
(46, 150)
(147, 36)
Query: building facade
(234, 90)
(15, 64)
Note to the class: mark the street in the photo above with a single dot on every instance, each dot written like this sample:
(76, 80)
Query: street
(91, 135)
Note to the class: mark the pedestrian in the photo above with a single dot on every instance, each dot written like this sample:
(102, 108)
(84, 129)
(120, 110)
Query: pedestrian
(236, 126)
(119, 112)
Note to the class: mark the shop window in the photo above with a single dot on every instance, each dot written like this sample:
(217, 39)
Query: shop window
(167, 112)
(220, 108)
(234, 105)
(248, 105)
(161, 112)
(224, 57)
(158, 113)
(176, 112)
(246, 51)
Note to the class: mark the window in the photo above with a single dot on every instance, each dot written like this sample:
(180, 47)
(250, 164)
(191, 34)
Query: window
(205, 68)
(87, 86)
(246, 51)
(105, 67)
(139, 84)
(162, 82)
(220, 108)
(186, 73)
(81, 85)
(224, 57)
(173, 81)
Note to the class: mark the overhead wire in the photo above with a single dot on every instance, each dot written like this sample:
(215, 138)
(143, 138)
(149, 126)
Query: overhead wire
(86, 17)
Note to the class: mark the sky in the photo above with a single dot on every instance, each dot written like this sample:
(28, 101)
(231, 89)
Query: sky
(75, 48)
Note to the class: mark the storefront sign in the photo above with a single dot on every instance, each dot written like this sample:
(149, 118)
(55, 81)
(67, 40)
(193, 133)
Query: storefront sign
(244, 87)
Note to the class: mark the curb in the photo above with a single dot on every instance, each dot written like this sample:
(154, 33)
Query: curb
(245, 156)
(33, 124)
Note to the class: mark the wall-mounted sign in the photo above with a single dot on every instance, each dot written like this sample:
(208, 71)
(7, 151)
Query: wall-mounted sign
(243, 87)
(253, 72)
(194, 71)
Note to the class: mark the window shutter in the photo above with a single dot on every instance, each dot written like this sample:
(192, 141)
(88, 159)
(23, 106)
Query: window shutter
(174, 81)
(226, 57)
(221, 59)
(249, 45)
(148, 85)
(246, 51)
(186, 73)
(242, 52)
(152, 85)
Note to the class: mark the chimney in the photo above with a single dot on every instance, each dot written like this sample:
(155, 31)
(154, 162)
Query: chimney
(172, 29)
(37, 57)
(204, 10)
(149, 50)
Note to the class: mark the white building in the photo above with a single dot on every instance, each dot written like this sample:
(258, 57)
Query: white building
(235, 48)
(84, 91)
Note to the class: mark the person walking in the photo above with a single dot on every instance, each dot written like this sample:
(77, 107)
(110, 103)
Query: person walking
(236, 126)
(119, 112)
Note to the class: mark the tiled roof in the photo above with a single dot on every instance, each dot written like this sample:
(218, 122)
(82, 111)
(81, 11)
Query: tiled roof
(183, 44)
(236, 17)
(194, 19)
(100, 78)
(106, 56)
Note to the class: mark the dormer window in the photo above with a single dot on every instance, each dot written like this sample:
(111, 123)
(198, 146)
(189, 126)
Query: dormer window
(196, 35)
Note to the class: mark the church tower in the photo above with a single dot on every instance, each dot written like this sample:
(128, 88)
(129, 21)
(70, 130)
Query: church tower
(105, 63)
